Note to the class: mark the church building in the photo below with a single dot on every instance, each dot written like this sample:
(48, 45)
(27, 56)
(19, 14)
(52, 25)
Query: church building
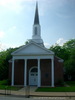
(33, 64)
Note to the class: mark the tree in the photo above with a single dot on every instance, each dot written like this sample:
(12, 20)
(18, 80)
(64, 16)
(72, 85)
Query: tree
(5, 56)
(26, 42)
(70, 65)
(69, 45)
(60, 51)
(67, 53)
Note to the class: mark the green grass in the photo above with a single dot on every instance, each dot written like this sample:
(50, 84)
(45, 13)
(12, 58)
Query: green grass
(56, 89)
(71, 88)
(4, 87)
(70, 83)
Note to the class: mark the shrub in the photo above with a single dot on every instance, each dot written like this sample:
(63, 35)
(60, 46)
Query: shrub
(59, 83)
(5, 82)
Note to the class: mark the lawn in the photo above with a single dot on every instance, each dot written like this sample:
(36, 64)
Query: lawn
(4, 86)
(71, 83)
(71, 88)
(56, 89)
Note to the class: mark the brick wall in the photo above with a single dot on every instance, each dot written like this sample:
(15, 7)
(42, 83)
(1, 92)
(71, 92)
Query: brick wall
(45, 65)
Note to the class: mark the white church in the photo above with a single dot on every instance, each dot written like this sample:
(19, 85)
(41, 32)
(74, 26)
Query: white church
(33, 64)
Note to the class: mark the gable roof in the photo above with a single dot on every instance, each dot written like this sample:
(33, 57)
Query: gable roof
(32, 48)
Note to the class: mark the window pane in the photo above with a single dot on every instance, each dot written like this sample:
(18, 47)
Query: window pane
(34, 70)
(32, 74)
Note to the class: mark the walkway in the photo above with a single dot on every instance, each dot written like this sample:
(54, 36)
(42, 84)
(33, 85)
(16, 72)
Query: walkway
(31, 91)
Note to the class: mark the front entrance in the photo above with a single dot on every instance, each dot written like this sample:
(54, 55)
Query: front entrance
(33, 76)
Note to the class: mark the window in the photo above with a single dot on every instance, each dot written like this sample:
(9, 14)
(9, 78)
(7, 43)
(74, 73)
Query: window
(34, 70)
(32, 74)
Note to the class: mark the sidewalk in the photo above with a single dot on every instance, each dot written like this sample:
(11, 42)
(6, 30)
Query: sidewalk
(32, 92)
(54, 94)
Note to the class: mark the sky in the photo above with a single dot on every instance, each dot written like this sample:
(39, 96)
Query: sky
(57, 20)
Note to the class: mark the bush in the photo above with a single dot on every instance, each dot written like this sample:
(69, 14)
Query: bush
(5, 82)
(59, 83)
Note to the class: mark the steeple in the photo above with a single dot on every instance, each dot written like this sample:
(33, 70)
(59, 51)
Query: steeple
(36, 20)
(36, 36)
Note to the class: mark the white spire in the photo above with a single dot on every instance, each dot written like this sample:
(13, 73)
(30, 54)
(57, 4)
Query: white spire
(36, 20)
(36, 37)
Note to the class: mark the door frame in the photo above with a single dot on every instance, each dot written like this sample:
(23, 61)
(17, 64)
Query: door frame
(30, 72)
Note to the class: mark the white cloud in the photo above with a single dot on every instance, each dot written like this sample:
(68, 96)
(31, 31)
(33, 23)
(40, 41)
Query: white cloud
(4, 46)
(47, 45)
(61, 41)
(2, 34)
(14, 5)
(8, 45)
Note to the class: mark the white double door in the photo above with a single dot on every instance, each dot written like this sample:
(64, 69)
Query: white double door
(33, 78)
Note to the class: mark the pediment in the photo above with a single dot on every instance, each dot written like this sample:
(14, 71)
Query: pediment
(32, 48)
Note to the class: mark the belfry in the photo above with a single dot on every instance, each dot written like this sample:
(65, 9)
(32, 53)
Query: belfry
(36, 37)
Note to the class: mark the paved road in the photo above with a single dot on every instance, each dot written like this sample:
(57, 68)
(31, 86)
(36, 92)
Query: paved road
(35, 98)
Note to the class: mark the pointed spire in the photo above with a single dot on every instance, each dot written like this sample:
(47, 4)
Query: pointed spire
(36, 20)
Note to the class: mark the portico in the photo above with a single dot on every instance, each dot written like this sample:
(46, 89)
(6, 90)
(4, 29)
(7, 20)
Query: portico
(38, 58)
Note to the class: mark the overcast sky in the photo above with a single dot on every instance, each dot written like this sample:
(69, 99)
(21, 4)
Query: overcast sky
(57, 20)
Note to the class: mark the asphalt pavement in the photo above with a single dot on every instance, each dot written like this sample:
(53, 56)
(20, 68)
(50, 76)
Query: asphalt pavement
(35, 98)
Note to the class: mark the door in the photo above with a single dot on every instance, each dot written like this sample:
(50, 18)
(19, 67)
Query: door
(33, 76)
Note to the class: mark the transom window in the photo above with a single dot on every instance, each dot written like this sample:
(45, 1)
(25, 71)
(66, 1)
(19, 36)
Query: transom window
(34, 70)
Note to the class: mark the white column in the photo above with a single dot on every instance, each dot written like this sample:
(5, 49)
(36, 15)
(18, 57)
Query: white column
(39, 74)
(25, 73)
(12, 82)
(52, 65)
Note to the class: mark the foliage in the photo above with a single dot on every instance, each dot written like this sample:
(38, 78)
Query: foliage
(5, 56)
(60, 51)
(70, 83)
(69, 45)
(67, 53)
(5, 82)
(26, 42)
(59, 83)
